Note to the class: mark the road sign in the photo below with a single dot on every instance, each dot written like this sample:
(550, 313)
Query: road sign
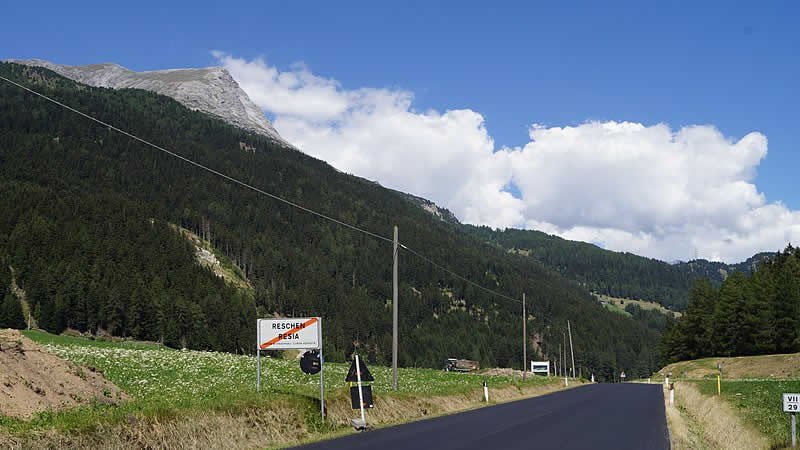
(540, 367)
(791, 402)
(366, 394)
(310, 363)
(285, 334)
(352, 376)
(622, 375)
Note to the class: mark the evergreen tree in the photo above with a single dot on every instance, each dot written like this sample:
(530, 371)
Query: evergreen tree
(11, 313)
(787, 300)
(699, 315)
(728, 316)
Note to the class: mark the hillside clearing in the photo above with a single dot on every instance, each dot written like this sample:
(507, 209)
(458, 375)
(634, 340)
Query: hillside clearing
(616, 309)
(212, 258)
(644, 304)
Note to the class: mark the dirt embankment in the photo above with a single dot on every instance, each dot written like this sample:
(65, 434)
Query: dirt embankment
(283, 423)
(737, 367)
(34, 380)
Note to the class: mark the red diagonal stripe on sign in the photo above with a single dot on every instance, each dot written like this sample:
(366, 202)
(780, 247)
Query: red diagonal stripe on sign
(282, 335)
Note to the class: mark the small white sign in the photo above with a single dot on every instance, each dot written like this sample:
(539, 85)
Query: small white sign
(285, 334)
(791, 402)
(540, 367)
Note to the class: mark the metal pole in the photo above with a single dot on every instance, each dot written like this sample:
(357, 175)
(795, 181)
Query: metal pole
(571, 351)
(394, 313)
(524, 339)
(321, 378)
(360, 395)
(794, 432)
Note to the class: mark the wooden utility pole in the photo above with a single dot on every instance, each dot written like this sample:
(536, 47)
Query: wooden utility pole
(524, 339)
(394, 313)
(571, 352)
(558, 361)
(564, 356)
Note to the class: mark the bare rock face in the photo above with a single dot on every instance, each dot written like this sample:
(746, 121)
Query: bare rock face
(211, 90)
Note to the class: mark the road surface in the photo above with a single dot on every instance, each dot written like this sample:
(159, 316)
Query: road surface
(598, 416)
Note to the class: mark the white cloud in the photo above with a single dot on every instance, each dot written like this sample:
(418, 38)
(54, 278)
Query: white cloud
(650, 190)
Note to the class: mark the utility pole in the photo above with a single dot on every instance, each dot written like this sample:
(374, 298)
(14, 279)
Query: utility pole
(558, 361)
(564, 356)
(571, 352)
(524, 339)
(394, 313)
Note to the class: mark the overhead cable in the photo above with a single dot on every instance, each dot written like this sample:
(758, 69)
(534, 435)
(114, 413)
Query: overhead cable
(206, 168)
(260, 191)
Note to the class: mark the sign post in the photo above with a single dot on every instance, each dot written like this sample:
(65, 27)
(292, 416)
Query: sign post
(360, 392)
(358, 373)
(791, 404)
(291, 334)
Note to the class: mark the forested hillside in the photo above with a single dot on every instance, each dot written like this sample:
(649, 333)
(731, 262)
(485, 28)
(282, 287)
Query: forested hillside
(752, 315)
(86, 216)
(717, 271)
(617, 274)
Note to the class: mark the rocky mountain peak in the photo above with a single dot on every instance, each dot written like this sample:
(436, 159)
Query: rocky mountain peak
(211, 90)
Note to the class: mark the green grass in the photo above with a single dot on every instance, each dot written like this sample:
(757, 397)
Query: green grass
(617, 309)
(166, 383)
(760, 403)
(43, 337)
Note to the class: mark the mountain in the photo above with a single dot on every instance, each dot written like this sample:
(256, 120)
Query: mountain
(211, 90)
(90, 225)
(717, 271)
(617, 274)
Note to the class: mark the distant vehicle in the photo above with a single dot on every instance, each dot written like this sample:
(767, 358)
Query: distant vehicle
(460, 365)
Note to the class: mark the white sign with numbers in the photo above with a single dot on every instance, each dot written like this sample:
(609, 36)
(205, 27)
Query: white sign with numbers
(791, 402)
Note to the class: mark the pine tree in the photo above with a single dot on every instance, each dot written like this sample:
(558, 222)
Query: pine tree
(787, 301)
(728, 316)
(697, 318)
(11, 313)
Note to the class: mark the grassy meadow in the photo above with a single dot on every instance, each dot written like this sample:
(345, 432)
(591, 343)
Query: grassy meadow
(167, 384)
(759, 402)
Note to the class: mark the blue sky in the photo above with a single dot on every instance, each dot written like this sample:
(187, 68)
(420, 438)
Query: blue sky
(731, 67)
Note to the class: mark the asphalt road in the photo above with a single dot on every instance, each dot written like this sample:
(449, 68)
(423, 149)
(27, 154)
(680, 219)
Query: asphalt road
(598, 416)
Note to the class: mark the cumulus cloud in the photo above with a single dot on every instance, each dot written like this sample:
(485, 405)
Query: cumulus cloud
(650, 190)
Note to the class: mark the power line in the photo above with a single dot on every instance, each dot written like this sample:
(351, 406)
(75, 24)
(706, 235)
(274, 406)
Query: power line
(260, 191)
(208, 169)
(434, 263)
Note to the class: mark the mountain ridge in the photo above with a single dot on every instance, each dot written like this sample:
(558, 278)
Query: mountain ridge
(211, 89)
